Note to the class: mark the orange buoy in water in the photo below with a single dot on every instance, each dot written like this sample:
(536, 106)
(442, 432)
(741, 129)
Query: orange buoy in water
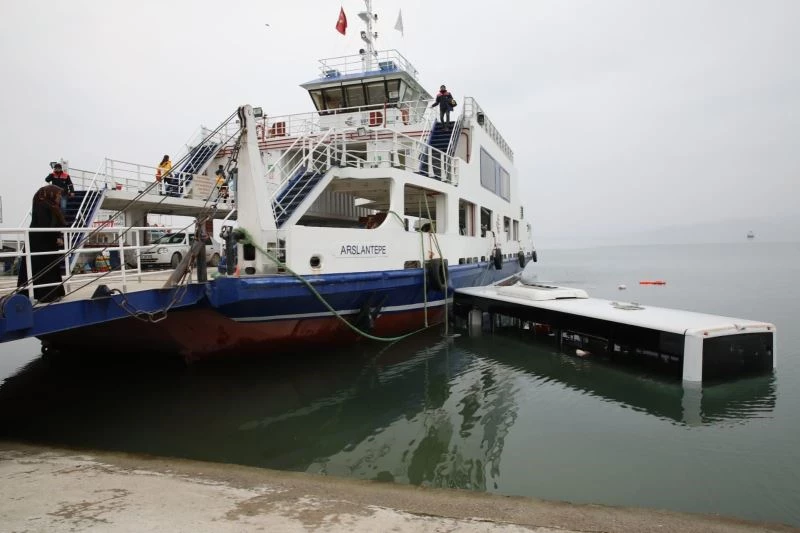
(653, 282)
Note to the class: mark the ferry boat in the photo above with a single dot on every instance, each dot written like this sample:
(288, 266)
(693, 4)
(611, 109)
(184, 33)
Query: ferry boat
(358, 219)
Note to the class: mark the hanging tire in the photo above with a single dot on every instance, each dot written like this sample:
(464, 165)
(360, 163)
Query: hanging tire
(437, 274)
(521, 257)
(497, 259)
(535, 258)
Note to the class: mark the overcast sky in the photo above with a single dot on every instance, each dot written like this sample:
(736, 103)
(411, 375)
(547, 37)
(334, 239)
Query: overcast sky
(623, 114)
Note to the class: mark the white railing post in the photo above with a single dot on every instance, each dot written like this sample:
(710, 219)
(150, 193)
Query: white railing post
(430, 161)
(66, 242)
(139, 255)
(28, 266)
(121, 248)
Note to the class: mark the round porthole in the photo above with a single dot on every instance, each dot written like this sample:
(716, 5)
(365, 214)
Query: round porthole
(315, 261)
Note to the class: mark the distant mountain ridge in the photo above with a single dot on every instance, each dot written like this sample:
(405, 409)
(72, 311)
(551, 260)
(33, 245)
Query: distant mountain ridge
(765, 229)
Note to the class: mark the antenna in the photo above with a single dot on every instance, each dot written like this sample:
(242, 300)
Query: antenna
(368, 36)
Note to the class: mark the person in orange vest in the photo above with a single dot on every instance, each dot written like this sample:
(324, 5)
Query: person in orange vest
(61, 179)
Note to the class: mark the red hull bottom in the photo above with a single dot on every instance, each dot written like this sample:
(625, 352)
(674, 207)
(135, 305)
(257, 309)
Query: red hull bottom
(203, 333)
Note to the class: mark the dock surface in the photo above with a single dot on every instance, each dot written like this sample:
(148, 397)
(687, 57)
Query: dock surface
(47, 489)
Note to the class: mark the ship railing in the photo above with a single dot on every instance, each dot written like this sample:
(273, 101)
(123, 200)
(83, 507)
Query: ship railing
(403, 152)
(384, 61)
(119, 175)
(428, 122)
(320, 153)
(110, 242)
(474, 112)
(89, 185)
(395, 114)
(315, 154)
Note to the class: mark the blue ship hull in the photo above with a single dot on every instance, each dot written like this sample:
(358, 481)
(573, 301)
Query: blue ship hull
(262, 315)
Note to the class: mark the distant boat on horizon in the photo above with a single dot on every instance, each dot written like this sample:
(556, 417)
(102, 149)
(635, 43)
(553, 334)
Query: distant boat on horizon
(751, 235)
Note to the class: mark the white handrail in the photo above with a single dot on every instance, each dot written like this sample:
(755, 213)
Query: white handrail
(123, 274)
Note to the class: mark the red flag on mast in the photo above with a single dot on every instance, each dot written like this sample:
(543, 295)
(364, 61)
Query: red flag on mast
(341, 24)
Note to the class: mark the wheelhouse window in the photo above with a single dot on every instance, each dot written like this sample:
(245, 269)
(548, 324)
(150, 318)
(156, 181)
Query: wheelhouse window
(376, 93)
(355, 95)
(333, 98)
(316, 97)
(394, 91)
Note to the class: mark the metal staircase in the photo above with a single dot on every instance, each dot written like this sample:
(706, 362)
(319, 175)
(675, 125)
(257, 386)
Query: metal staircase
(80, 213)
(443, 138)
(312, 158)
(180, 179)
(296, 190)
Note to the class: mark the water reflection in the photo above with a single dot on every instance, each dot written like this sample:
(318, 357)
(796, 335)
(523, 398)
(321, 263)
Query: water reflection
(730, 402)
(427, 411)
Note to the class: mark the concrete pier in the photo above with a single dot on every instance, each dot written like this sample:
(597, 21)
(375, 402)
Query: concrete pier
(47, 489)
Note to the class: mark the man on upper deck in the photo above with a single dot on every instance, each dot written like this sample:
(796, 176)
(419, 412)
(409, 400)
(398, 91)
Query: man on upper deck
(61, 179)
(445, 102)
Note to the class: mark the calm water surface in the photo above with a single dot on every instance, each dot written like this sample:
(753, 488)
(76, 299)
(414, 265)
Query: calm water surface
(496, 413)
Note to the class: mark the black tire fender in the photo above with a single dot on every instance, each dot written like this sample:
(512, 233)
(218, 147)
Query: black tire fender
(172, 262)
(497, 259)
(437, 273)
(521, 257)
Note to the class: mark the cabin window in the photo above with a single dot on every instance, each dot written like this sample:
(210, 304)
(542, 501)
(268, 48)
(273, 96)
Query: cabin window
(515, 230)
(333, 98)
(355, 95)
(376, 93)
(466, 218)
(486, 221)
(487, 170)
(504, 183)
(425, 208)
(494, 177)
(507, 227)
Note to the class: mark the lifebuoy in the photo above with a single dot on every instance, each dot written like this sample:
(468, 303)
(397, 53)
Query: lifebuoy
(497, 259)
(437, 273)
(521, 257)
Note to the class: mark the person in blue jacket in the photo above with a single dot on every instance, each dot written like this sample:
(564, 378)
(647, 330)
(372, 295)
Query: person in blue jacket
(445, 102)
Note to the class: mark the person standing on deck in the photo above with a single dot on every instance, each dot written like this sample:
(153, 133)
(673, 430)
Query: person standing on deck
(445, 102)
(61, 179)
(161, 173)
(45, 269)
(222, 184)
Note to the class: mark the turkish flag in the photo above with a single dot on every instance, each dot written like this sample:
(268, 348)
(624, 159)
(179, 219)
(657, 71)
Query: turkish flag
(341, 24)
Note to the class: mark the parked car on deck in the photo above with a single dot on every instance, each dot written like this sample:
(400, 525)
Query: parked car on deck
(170, 249)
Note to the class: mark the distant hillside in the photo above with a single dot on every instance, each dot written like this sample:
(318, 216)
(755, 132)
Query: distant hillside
(766, 229)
